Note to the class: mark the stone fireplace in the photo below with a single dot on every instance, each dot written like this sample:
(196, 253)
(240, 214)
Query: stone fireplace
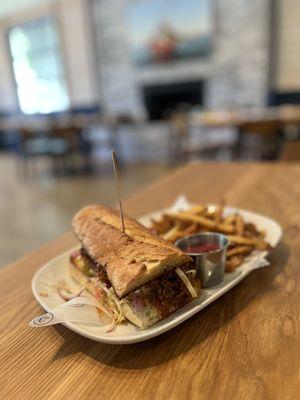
(160, 100)
(235, 74)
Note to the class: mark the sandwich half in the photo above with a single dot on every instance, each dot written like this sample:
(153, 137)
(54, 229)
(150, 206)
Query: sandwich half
(135, 275)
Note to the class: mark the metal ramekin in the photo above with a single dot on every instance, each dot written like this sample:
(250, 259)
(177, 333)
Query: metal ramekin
(211, 265)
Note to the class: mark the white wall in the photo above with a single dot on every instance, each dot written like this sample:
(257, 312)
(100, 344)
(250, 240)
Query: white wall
(8, 97)
(73, 26)
(288, 71)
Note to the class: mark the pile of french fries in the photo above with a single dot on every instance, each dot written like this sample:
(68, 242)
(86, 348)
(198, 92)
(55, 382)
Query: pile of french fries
(244, 237)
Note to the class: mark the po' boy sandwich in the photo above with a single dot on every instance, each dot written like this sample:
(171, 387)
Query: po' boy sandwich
(135, 275)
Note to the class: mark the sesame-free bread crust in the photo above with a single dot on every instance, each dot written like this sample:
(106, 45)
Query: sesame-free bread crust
(130, 259)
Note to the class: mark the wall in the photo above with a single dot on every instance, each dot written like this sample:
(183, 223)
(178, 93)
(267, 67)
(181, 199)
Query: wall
(287, 78)
(8, 98)
(74, 22)
(75, 38)
(240, 66)
(236, 73)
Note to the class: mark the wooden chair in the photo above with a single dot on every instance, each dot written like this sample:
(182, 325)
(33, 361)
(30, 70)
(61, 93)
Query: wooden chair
(178, 136)
(290, 151)
(34, 145)
(189, 142)
(259, 139)
(77, 151)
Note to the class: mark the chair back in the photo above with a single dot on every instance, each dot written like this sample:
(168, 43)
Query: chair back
(290, 151)
(261, 127)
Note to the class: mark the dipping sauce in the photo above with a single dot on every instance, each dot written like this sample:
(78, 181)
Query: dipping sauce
(208, 250)
(201, 248)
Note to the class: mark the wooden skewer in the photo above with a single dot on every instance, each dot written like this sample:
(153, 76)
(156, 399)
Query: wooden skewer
(117, 181)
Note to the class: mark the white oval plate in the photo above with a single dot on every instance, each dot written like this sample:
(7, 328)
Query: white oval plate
(126, 333)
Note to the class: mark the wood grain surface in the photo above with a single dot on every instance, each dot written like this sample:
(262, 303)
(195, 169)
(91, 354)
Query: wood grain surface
(246, 345)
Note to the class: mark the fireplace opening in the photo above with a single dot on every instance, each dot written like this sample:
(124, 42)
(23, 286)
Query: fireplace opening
(161, 100)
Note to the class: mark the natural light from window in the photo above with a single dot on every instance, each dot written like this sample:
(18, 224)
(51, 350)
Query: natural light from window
(38, 67)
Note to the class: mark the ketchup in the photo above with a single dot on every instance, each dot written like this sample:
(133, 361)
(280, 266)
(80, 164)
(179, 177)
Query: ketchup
(202, 248)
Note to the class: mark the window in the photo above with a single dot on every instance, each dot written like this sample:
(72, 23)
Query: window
(38, 67)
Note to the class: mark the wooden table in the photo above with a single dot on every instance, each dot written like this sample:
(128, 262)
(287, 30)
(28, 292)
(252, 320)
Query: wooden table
(244, 346)
(283, 115)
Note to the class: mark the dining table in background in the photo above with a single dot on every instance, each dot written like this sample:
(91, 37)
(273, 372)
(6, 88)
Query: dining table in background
(244, 346)
(270, 123)
(285, 115)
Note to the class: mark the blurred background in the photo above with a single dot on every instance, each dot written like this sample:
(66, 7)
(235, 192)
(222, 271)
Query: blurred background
(163, 82)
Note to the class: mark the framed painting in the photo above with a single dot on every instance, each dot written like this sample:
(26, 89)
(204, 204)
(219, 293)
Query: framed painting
(164, 31)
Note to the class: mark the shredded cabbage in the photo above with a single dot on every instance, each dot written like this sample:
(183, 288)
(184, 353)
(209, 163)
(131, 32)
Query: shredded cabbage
(107, 299)
(113, 304)
(186, 281)
(191, 272)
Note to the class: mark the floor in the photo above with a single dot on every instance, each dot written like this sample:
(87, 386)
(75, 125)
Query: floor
(38, 208)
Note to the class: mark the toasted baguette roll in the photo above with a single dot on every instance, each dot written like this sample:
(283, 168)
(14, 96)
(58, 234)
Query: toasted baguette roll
(130, 259)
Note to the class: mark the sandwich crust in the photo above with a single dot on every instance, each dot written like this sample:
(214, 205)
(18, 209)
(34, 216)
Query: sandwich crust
(130, 259)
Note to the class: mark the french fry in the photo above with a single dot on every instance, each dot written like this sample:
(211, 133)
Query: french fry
(251, 229)
(172, 234)
(163, 225)
(248, 234)
(230, 220)
(241, 240)
(239, 224)
(239, 250)
(262, 244)
(219, 212)
(233, 262)
(202, 221)
(191, 229)
(262, 233)
(198, 209)
(225, 228)
(258, 243)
